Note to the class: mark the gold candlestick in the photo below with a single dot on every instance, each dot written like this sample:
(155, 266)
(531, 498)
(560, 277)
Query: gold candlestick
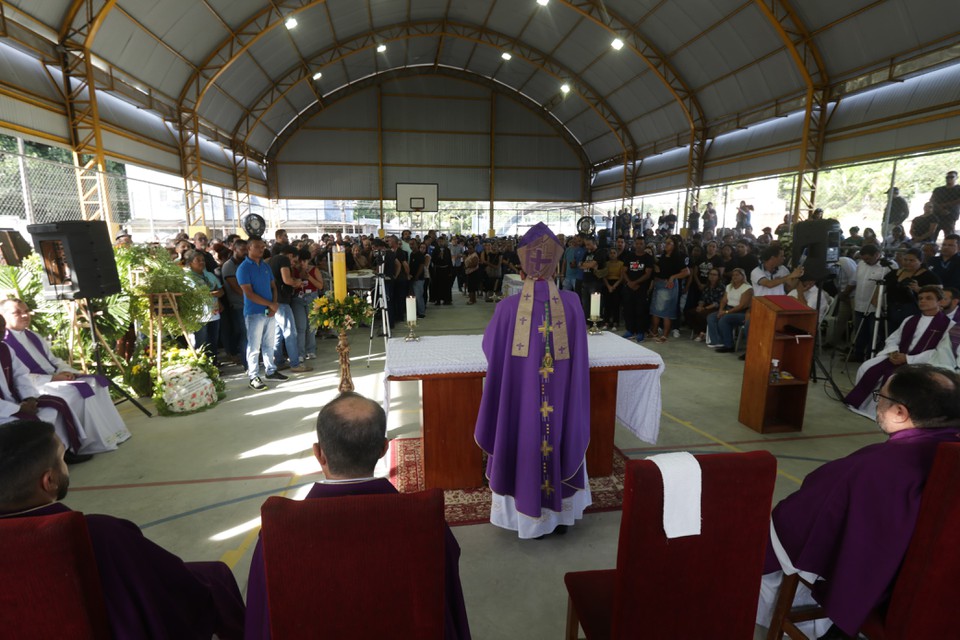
(594, 330)
(412, 336)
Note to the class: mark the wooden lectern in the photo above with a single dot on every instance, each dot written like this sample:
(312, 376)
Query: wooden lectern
(781, 328)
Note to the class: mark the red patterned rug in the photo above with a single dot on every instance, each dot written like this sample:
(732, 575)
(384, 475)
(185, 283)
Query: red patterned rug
(472, 506)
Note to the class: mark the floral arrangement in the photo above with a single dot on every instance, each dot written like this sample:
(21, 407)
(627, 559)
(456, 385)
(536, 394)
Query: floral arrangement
(327, 313)
(146, 269)
(139, 375)
(181, 386)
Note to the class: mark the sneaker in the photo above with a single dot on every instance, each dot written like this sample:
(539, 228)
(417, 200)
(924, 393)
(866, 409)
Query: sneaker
(628, 335)
(675, 333)
(257, 384)
(281, 367)
(310, 356)
(276, 375)
(300, 368)
(640, 337)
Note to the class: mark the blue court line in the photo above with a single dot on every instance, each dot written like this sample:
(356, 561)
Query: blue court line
(217, 505)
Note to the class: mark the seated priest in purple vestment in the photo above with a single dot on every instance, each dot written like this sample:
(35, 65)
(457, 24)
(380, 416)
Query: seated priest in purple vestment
(847, 528)
(149, 592)
(20, 400)
(534, 420)
(87, 396)
(916, 341)
(351, 438)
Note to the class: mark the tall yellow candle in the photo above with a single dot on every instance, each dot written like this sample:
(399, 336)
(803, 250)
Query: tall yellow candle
(339, 274)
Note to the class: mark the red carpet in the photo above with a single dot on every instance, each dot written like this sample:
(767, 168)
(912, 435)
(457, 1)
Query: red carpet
(472, 506)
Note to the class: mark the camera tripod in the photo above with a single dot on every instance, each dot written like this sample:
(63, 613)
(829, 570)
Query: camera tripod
(816, 343)
(879, 320)
(378, 297)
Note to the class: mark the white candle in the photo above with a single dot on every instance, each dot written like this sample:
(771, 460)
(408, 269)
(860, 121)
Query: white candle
(412, 310)
(594, 305)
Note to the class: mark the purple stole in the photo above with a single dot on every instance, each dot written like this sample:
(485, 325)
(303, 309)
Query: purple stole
(83, 388)
(878, 373)
(73, 433)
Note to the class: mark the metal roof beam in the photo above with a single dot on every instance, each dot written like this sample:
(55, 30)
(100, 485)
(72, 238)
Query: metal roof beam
(479, 35)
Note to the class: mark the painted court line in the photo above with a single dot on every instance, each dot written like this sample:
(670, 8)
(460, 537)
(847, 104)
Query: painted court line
(170, 483)
(726, 445)
(758, 441)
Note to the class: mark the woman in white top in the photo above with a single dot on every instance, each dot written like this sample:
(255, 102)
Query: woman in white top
(732, 312)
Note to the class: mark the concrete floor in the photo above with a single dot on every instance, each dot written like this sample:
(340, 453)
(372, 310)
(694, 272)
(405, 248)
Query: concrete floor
(195, 484)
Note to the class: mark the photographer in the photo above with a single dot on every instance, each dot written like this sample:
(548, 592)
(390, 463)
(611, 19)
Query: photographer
(902, 286)
(863, 289)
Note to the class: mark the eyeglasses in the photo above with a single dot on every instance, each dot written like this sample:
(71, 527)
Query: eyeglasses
(877, 395)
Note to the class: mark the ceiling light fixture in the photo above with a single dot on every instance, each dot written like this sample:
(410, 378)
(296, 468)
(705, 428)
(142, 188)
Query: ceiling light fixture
(617, 44)
(317, 75)
(381, 48)
(291, 22)
(542, 3)
(565, 88)
(506, 55)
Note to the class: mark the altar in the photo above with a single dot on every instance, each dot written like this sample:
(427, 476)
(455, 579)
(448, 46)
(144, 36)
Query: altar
(624, 386)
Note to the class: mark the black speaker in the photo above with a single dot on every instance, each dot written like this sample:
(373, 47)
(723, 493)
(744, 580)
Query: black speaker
(78, 260)
(816, 246)
(13, 248)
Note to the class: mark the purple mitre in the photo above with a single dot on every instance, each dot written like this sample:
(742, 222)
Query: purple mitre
(539, 252)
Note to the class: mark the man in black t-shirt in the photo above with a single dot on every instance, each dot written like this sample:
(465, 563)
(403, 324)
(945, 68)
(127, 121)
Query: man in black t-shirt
(401, 276)
(593, 260)
(946, 203)
(282, 263)
(638, 270)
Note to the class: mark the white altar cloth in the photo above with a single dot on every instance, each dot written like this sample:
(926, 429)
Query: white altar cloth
(638, 391)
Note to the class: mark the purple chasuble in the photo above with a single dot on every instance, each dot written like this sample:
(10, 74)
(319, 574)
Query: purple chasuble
(44, 401)
(536, 465)
(83, 388)
(257, 625)
(852, 519)
(151, 593)
(876, 375)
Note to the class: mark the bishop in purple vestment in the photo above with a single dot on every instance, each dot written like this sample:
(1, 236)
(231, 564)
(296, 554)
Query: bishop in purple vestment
(351, 437)
(848, 526)
(534, 420)
(148, 591)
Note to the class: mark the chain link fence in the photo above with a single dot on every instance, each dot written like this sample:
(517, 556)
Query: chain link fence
(152, 205)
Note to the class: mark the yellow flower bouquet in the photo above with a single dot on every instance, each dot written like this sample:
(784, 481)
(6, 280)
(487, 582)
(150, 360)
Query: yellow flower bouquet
(327, 313)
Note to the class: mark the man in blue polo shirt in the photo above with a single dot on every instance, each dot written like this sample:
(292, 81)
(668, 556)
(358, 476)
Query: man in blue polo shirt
(255, 278)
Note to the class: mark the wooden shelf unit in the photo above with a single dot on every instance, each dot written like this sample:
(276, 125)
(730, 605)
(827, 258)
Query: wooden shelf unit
(778, 407)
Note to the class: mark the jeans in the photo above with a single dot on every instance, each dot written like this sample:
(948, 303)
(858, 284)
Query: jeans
(208, 337)
(571, 284)
(261, 334)
(237, 337)
(418, 294)
(721, 330)
(306, 335)
(863, 348)
(286, 336)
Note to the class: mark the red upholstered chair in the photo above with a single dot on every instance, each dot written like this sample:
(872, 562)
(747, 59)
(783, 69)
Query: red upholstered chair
(49, 584)
(923, 603)
(703, 586)
(366, 566)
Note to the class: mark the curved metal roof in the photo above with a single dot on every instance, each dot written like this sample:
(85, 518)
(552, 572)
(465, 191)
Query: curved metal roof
(713, 65)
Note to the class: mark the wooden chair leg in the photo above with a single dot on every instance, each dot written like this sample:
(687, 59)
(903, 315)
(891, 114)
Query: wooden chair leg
(785, 595)
(573, 622)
